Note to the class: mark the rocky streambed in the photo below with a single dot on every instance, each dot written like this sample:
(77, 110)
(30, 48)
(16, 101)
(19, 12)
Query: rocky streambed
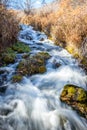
(42, 86)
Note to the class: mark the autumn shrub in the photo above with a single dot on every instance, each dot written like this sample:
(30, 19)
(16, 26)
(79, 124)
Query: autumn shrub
(71, 25)
(8, 28)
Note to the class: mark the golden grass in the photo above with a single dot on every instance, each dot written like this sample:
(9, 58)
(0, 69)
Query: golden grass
(68, 24)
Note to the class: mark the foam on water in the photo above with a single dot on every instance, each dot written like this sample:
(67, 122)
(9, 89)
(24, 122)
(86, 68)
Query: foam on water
(34, 104)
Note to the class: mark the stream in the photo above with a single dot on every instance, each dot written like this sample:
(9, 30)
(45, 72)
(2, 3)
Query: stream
(34, 103)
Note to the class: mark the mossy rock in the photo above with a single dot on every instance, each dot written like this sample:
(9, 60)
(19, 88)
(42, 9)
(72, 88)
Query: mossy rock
(8, 56)
(42, 55)
(30, 67)
(42, 69)
(83, 63)
(82, 95)
(33, 64)
(72, 51)
(21, 47)
(22, 67)
(25, 56)
(75, 97)
(17, 78)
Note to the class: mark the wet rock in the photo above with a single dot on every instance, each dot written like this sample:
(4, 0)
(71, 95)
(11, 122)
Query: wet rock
(33, 64)
(2, 71)
(83, 63)
(42, 39)
(76, 97)
(29, 37)
(17, 78)
(5, 111)
(3, 79)
(3, 89)
(56, 64)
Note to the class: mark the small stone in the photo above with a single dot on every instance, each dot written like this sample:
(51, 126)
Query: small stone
(42, 39)
(17, 78)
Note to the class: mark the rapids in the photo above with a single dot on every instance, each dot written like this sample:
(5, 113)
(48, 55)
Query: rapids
(34, 103)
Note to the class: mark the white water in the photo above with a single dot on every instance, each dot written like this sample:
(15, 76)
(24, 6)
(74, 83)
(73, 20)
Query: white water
(34, 104)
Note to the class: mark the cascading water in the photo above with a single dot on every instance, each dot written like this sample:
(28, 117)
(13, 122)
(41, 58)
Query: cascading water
(34, 103)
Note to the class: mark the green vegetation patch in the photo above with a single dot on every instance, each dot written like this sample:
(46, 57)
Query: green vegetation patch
(21, 47)
(8, 56)
(82, 95)
(17, 78)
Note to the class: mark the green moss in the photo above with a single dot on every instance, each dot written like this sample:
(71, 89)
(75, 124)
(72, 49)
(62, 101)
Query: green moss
(9, 50)
(23, 67)
(76, 55)
(64, 93)
(43, 55)
(30, 67)
(17, 78)
(75, 97)
(71, 90)
(21, 47)
(84, 61)
(82, 95)
(33, 64)
(50, 38)
(70, 49)
(42, 69)
(8, 56)
(21, 64)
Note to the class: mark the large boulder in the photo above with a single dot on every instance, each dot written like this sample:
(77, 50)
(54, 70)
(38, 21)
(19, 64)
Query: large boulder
(76, 97)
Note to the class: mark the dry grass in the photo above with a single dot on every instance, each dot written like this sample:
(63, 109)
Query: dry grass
(64, 22)
(8, 28)
(67, 23)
